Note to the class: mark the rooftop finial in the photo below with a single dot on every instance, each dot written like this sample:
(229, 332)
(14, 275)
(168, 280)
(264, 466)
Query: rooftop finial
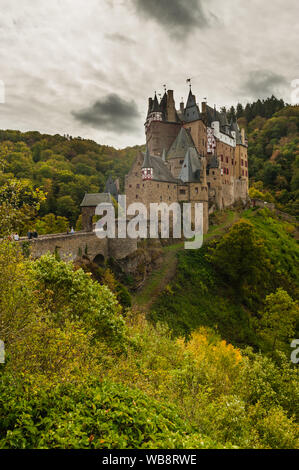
(164, 86)
(189, 81)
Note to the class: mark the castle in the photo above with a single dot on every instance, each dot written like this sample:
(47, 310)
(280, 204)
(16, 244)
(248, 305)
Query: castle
(192, 155)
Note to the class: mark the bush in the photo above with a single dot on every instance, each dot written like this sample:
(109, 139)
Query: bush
(95, 415)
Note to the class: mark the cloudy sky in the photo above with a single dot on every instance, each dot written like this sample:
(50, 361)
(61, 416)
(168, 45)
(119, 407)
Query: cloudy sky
(87, 67)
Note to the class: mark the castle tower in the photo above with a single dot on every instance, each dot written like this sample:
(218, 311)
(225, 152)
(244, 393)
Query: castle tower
(162, 124)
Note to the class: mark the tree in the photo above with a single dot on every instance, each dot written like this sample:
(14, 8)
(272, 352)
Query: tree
(279, 318)
(19, 203)
(241, 257)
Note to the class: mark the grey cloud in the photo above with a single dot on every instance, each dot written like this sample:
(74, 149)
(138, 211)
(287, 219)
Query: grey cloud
(111, 113)
(178, 16)
(263, 83)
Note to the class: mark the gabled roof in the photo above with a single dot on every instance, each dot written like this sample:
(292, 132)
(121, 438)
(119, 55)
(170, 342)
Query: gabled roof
(160, 170)
(93, 199)
(180, 145)
(192, 167)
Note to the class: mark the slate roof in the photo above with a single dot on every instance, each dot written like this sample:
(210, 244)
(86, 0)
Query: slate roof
(160, 170)
(235, 127)
(192, 167)
(180, 145)
(111, 187)
(93, 199)
(192, 112)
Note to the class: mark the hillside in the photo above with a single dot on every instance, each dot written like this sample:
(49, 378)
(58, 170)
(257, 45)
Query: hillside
(260, 250)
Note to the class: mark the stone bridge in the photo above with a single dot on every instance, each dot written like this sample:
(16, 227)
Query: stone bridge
(73, 246)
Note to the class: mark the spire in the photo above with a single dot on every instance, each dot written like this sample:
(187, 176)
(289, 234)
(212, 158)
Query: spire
(146, 161)
(156, 107)
(186, 174)
(110, 187)
(191, 100)
(192, 167)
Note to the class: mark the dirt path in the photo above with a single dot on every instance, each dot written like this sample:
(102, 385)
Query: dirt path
(160, 278)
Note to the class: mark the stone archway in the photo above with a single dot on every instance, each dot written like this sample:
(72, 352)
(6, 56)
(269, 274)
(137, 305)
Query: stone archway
(99, 259)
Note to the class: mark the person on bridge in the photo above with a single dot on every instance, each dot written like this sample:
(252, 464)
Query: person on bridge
(16, 237)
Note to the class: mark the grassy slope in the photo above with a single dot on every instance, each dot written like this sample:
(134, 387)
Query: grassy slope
(197, 296)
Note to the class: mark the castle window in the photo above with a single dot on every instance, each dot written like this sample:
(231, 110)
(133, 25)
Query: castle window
(136, 196)
(196, 190)
(242, 162)
(213, 172)
(221, 158)
(182, 191)
(226, 159)
(130, 186)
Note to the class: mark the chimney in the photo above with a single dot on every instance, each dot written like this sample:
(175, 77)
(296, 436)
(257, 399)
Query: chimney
(182, 107)
(171, 113)
(170, 94)
(204, 107)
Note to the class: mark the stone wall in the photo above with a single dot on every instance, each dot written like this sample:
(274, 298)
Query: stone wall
(70, 247)
(160, 135)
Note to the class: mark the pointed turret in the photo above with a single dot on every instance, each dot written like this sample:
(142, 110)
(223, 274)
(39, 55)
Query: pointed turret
(156, 107)
(147, 168)
(191, 111)
(192, 167)
(146, 160)
(110, 187)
